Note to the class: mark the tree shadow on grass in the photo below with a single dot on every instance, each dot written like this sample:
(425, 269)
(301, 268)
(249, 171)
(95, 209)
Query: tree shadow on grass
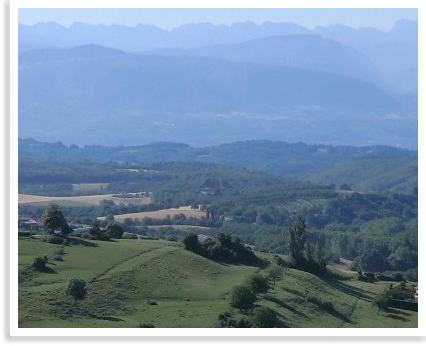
(105, 318)
(283, 305)
(347, 289)
(280, 323)
(222, 263)
(338, 315)
(398, 312)
(396, 317)
(294, 292)
(46, 270)
(80, 241)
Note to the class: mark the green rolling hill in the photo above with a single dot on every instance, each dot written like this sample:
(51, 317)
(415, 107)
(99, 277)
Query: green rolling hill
(133, 283)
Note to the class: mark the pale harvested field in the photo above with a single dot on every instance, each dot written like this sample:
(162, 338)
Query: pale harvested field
(160, 214)
(89, 186)
(81, 200)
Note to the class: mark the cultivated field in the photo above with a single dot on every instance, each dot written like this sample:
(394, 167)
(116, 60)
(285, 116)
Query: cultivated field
(89, 187)
(160, 214)
(81, 200)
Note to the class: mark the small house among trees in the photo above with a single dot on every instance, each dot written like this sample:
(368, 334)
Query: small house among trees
(27, 223)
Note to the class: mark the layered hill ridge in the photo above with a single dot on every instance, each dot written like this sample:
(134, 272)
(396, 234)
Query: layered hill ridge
(114, 97)
(188, 84)
(304, 51)
(372, 168)
(391, 52)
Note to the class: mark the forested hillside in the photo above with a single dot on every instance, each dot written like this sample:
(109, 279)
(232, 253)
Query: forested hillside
(376, 230)
(275, 157)
(372, 174)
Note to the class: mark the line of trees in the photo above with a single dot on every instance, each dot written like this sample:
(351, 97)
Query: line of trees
(300, 249)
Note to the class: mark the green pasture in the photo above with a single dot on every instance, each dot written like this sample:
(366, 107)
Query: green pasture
(129, 282)
(134, 282)
(295, 297)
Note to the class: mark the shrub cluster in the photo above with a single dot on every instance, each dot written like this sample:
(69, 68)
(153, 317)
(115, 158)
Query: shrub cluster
(77, 289)
(58, 258)
(243, 297)
(97, 233)
(264, 318)
(24, 234)
(260, 317)
(398, 296)
(226, 321)
(225, 248)
(366, 276)
(39, 263)
(146, 325)
(258, 283)
(59, 251)
(127, 235)
(401, 291)
(394, 277)
(382, 301)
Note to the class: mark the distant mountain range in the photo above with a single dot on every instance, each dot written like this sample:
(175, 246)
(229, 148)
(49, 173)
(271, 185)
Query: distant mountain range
(205, 84)
(390, 56)
(304, 51)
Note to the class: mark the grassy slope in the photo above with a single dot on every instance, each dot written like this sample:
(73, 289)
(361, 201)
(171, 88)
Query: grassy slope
(351, 299)
(158, 282)
(124, 278)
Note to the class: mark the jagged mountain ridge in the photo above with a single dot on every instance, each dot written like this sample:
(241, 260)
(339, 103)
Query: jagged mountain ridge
(391, 53)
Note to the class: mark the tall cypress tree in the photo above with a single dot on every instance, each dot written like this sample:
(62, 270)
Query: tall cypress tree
(297, 240)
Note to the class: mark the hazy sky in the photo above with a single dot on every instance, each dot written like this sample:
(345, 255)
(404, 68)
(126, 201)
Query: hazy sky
(169, 18)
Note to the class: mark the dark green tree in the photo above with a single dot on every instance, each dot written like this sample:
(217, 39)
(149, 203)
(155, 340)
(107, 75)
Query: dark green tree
(225, 240)
(297, 239)
(264, 317)
(53, 220)
(191, 243)
(319, 258)
(382, 301)
(258, 283)
(115, 230)
(308, 252)
(97, 233)
(77, 289)
(242, 297)
(39, 264)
